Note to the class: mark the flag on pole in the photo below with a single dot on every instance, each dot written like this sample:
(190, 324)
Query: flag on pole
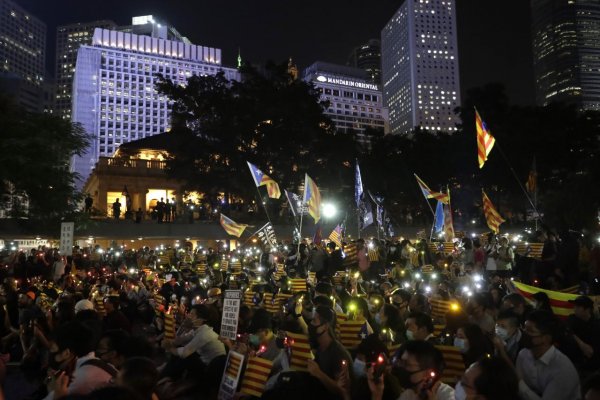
(318, 237)
(439, 218)
(492, 216)
(262, 179)
(312, 198)
(231, 227)
(430, 194)
(485, 141)
(448, 220)
(365, 211)
(336, 236)
(295, 202)
(358, 187)
(531, 184)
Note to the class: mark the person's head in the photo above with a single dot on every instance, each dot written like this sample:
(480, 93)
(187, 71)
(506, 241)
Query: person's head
(26, 299)
(470, 338)
(491, 378)
(416, 364)
(417, 303)
(401, 298)
(321, 327)
(583, 307)
(214, 295)
(503, 241)
(260, 328)
(539, 333)
(418, 326)
(113, 346)
(507, 324)
(541, 301)
(389, 317)
(367, 352)
(362, 308)
(514, 302)
(591, 388)
(111, 303)
(138, 374)
(375, 303)
(323, 289)
(70, 341)
(201, 314)
(478, 303)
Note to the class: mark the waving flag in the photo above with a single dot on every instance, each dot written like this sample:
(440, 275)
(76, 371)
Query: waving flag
(439, 218)
(492, 216)
(312, 198)
(358, 187)
(232, 227)
(336, 236)
(262, 179)
(559, 301)
(485, 141)
(448, 223)
(430, 194)
(299, 347)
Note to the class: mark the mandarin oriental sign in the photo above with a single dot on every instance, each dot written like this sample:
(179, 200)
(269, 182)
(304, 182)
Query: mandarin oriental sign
(346, 82)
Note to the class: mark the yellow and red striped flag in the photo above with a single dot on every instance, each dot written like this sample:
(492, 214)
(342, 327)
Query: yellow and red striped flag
(454, 364)
(262, 179)
(336, 236)
(351, 255)
(298, 285)
(256, 376)
(312, 198)
(485, 141)
(231, 227)
(430, 194)
(492, 216)
(439, 307)
(273, 302)
(558, 301)
(352, 332)
(169, 326)
(99, 305)
(373, 254)
(234, 364)
(300, 349)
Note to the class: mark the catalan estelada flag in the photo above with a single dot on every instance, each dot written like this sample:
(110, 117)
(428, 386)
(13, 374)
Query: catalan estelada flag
(492, 216)
(300, 349)
(231, 227)
(312, 198)
(352, 332)
(260, 179)
(336, 236)
(485, 141)
(430, 194)
(256, 376)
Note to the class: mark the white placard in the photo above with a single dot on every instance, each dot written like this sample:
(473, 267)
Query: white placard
(231, 376)
(67, 229)
(231, 312)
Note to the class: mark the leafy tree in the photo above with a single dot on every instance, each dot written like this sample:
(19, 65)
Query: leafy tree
(36, 151)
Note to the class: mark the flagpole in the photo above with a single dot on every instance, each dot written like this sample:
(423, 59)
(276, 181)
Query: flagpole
(518, 181)
(263, 204)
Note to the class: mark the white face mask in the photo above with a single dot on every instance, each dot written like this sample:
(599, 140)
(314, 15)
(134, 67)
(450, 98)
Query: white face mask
(459, 392)
(461, 344)
(359, 368)
(501, 332)
(410, 335)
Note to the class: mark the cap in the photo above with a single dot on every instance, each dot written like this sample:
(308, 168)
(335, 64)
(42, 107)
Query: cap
(583, 301)
(30, 294)
(82, 305)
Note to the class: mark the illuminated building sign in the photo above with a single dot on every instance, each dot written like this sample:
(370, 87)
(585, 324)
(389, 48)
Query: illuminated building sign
(346, 82)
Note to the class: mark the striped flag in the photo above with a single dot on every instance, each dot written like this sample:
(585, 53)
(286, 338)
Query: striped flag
(99, 305)
(439, 307)
(256, 376)
(352, 332)
(558, 301)
(159, 303)
(430, 194)
(169, 326)
(231, 227)
(300, 349)
(373, 254)
(262, 179)
(485, 141)
(233, 366)
(492, 216)
(336, 236)
(273, 302)
(312, 198)
(298, 285)
(454, 364)
(351, 255)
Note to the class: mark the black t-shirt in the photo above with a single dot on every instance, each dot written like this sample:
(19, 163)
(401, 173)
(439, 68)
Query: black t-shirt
(330, 360)
(589, 333)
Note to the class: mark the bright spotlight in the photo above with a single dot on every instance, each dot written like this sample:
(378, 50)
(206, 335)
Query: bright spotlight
(329, 210)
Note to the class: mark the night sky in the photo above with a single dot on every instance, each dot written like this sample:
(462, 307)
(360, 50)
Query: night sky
(494, 35)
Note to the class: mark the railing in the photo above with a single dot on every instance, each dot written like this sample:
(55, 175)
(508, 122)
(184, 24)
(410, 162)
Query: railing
(124, 164)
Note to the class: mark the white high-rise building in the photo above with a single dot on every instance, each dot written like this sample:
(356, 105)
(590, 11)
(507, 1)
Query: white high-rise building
(114, 94)
(419, 58)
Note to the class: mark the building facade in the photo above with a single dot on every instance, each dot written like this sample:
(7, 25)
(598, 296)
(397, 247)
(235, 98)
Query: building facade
(22, 55)
(355, 103)
(368, 58)
(566, 52)
(114, 94)
(419, 58)
(68, 40)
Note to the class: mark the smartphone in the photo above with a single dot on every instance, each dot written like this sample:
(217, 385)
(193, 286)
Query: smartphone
(379, 365)
(429, 382)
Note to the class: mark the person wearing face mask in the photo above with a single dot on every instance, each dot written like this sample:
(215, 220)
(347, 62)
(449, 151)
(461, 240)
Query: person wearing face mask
(491, 378)
(401, 298)
(261, 336)
(545, 372)
(330, 354)
(418, 366)
(73, 366)
(518, 305)
(477, 308)
(367, 355)
(472, 343)
(508, 336)
(419, 326)
(390, 324)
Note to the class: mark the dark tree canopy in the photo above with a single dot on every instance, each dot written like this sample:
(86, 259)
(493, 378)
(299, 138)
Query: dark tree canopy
(36, 151)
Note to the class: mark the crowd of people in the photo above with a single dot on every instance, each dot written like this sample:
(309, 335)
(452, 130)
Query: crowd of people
(433, 322)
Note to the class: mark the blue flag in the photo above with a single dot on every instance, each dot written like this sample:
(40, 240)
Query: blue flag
(358, 187)
(439, 217)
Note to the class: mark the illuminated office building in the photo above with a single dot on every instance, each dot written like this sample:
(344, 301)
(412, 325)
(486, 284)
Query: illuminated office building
(419, 58)
(368, 58)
